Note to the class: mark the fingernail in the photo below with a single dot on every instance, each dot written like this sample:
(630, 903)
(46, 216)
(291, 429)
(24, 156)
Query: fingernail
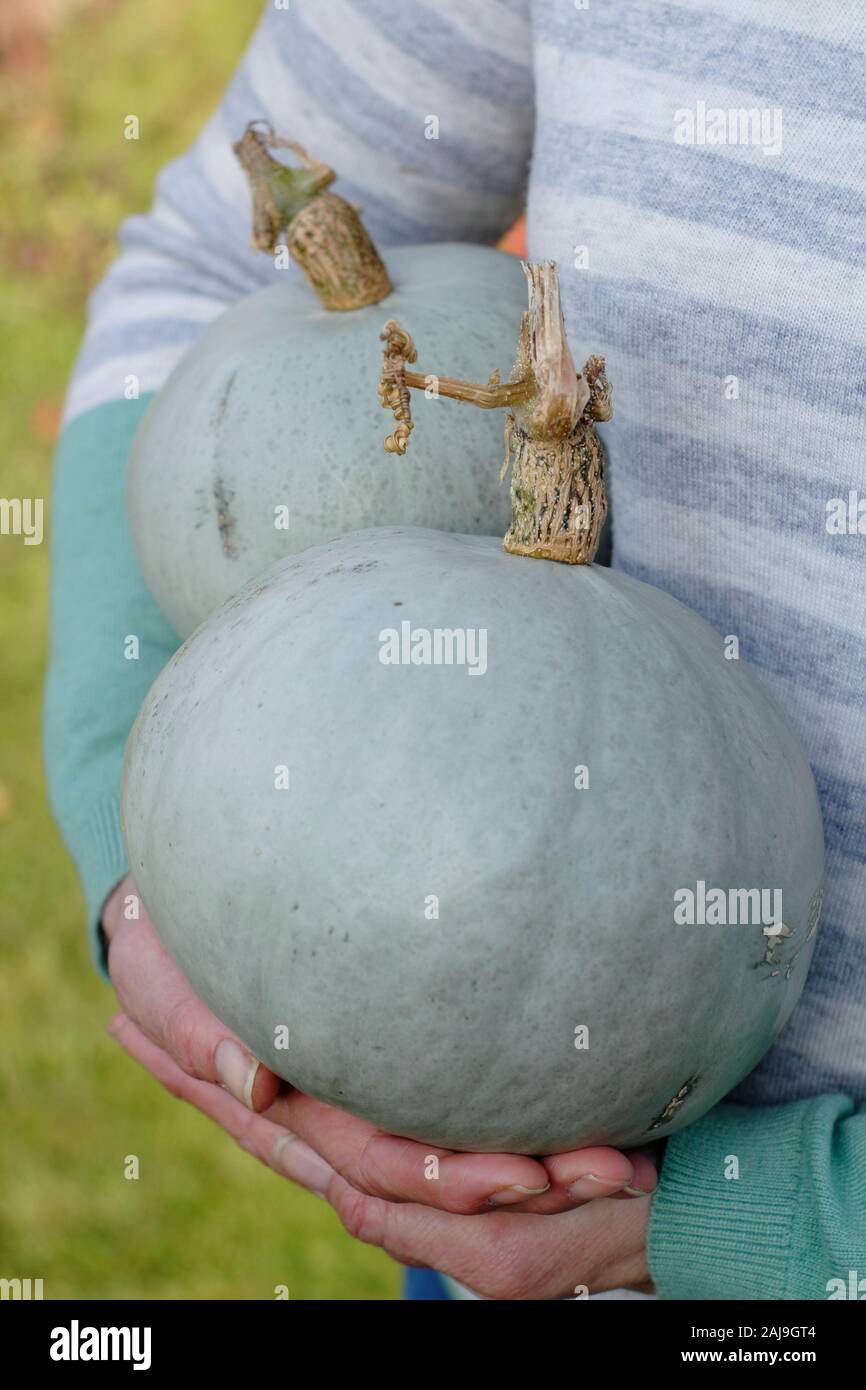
(506, 1196)
(236, 1070)
(302, 1164)
(583, 1189)
(637, 1191)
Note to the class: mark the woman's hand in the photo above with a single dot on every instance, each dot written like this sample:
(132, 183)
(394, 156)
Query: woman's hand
(508, 1255)
(166, 1028)
(155, 996)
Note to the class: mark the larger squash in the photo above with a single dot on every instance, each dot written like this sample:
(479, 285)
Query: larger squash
(263, 441)
(500, 854)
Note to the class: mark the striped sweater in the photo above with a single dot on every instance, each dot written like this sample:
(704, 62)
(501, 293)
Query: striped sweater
(698, 170)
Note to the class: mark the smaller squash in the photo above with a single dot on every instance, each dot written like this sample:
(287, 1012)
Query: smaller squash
(263, 440)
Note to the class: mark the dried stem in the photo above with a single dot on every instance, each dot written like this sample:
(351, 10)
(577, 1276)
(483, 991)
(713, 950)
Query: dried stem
(324, 234)
(558, 497)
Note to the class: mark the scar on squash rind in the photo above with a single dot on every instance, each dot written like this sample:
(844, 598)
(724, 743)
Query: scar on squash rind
(667, 1114)
(223, 497)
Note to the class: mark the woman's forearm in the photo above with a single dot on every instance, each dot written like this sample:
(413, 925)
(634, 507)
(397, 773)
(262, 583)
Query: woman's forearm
(108, 642)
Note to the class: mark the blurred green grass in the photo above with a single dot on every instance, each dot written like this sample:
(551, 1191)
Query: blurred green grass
(204, 1220)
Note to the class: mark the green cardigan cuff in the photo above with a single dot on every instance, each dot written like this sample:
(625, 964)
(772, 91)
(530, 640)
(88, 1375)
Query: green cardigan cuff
(97, 847)
(722, 1223)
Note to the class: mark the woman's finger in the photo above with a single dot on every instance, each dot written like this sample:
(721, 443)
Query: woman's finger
(271, 1143)
(402, 1170)
(158, 998)
(578, 1177)
(598, 1246)
(586, 1174)
(645, 1175)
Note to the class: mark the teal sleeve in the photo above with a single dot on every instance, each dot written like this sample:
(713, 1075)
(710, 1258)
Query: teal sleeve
(108, 643)
(765, 1203)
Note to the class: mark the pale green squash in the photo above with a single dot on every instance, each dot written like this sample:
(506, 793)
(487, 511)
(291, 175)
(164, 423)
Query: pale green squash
(433, 907)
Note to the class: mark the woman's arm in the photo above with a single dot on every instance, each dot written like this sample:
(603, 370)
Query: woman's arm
(109, 641)
(764, 1203)
(363, 84)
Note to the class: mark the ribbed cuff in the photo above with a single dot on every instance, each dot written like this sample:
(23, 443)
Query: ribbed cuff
(722, 1220)
(97, 847)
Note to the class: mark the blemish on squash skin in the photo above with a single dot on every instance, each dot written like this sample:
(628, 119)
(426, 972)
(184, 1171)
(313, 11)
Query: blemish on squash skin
(667, 1114)
(225, 521)
(777, 938)
(226, 392)
(774, 944)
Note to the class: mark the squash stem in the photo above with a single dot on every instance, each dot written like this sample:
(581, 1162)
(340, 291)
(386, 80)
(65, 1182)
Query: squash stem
(558, 496)
(323, 233)
(493, 396)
